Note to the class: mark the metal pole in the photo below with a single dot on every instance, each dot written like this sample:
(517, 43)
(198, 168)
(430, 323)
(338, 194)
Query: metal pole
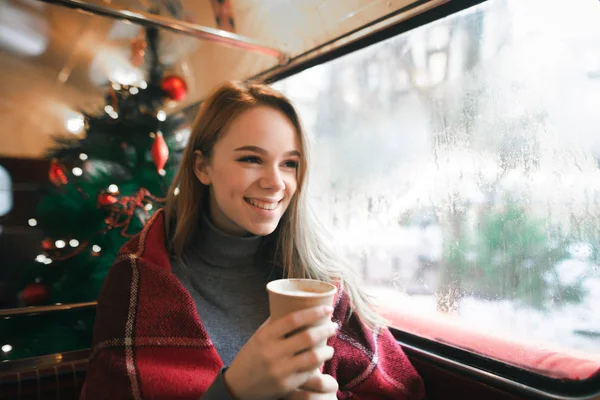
(186, 28)
(17, 312)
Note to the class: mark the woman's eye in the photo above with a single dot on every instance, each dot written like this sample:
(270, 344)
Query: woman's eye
(250, 159)
(291, 164)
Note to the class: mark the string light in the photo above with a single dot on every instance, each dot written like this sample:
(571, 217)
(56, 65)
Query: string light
(113, 115)
(75, 124)
(176, 191)
(179, 137)
(162, 172)
(152, 135)
(108, 108)
(143, 85)
(112, 188)
(133, 90)
(32, 222)
(117, 219)
(161, 115)
(83, 157)
(7, 348)
(77, 171)
(116, 86)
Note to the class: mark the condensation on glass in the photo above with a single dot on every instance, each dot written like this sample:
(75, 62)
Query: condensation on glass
(458, 167)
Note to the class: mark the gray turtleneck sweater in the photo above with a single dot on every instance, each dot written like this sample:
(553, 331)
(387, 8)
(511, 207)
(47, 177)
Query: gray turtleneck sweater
(227, 279)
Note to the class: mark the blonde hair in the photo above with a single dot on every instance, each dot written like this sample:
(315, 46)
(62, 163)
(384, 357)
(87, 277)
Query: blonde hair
(299, 244)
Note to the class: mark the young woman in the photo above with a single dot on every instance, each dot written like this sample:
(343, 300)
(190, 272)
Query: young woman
(184, 311)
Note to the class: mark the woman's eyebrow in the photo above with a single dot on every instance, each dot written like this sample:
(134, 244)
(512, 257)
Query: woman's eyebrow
(260, 150)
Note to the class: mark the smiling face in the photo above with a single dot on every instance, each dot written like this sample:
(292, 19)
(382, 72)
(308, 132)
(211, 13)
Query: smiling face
(252, 172)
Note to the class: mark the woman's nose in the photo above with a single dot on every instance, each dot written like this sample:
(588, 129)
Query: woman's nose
(272, 179)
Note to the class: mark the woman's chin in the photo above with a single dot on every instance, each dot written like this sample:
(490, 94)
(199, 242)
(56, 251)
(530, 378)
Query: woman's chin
(263, 229)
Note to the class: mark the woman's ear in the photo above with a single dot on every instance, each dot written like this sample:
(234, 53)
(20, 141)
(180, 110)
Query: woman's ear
(201, 168)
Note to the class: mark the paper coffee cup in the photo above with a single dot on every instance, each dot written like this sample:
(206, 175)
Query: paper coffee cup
(289, 295)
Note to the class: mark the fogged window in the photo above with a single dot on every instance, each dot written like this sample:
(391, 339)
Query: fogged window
(6, 202)
(458, 164)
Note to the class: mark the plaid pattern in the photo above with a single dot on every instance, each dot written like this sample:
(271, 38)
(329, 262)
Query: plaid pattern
(149, 342)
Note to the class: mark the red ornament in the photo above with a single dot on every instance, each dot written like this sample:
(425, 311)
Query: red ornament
(105, 199)
(56, 174)
(160, 151)
(47, 244)
(175, 87)
(35, 294)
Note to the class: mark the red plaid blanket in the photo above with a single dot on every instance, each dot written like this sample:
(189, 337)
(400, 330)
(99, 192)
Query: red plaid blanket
(149, 342)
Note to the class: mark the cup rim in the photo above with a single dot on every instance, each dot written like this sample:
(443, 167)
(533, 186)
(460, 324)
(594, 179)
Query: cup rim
(332, 291)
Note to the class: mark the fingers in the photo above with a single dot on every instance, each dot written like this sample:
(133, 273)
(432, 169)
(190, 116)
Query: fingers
(298, 319)
(321, 383)
(307, 339)
(310, 360)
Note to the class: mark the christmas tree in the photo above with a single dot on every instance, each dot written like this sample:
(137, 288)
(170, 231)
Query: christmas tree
(107, 185)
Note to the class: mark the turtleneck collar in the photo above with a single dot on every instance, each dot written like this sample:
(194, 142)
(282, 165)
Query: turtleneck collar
(219, 249)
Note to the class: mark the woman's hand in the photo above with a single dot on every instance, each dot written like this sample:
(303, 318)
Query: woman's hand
(318, 387)
(273, 363)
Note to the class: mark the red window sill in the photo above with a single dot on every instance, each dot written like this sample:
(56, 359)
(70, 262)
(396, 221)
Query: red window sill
(544, 359)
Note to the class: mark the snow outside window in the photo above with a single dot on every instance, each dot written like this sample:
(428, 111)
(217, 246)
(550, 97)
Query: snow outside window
(458, 166)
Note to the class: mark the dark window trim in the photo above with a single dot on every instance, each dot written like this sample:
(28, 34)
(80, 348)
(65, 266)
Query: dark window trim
(496, 373)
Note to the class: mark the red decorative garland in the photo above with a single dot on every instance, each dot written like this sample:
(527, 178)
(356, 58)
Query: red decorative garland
(121, 211)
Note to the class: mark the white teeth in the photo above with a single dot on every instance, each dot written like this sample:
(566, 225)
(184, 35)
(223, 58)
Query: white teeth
(263, 205)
